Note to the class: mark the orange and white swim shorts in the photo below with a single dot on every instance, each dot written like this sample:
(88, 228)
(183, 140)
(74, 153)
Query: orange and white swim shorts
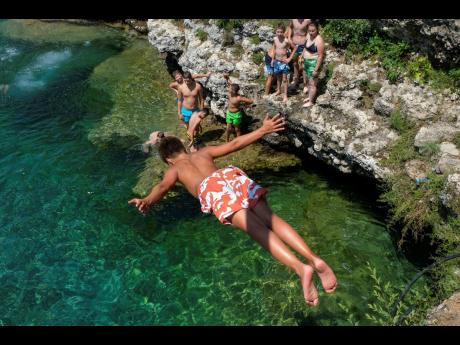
(227, 191)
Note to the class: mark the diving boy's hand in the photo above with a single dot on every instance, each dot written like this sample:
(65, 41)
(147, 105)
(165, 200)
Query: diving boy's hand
(275, 124)
(141, 204)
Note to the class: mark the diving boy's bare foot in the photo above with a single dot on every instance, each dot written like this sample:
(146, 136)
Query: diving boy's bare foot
(327, 276)
(309, 291)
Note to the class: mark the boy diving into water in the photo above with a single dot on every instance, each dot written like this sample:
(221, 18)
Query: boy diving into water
(237, 200)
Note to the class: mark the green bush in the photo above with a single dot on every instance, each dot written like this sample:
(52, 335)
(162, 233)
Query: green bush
(254, 39)
(419, 68)
(258, 58)
(202, 35)
(429, 149)
(237, 51)
(230, 24)
(345, 33)
(228, 38)
(457, 140)
(399, 122)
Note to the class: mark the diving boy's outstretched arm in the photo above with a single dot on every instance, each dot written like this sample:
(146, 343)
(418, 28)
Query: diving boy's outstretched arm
(158, 191)
(272, 125)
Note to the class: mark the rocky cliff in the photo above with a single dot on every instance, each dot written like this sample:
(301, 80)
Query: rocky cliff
(350, 126)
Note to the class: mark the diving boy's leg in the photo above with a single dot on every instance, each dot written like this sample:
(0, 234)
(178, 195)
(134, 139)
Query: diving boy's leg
(248, 221)
(293, 239)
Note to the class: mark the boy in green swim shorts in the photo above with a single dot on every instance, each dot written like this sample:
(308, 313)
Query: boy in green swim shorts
(234, 117)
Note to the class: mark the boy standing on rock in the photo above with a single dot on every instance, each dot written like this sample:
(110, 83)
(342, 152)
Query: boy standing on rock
(234, 117)
(237, 200)
(190, 98)
(297, 33)
(280, 63)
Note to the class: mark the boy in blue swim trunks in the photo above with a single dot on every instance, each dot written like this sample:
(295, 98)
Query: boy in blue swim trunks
(179, 80)
(234, 117)
(190, 98)
(280, 63)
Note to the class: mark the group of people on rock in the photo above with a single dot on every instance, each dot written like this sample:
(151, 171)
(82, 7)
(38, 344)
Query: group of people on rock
(300, 48)
(302, 45)
(228, 192)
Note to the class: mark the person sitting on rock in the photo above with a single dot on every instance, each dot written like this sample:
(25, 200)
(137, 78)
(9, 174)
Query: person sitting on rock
(194, 129)
(179, 80)
(237, 200)
(234, 116)
(190, 98)
(280, 63)
(154, 139)
(313, 56)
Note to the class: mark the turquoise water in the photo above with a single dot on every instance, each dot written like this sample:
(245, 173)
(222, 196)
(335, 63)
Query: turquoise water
(73, 252)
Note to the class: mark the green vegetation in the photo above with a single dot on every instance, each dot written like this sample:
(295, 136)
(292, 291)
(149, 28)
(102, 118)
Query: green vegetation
(430, 149)
(258, 58)
(228, 38)
(457, 140)
(230, 24)
(361, 40)
(201, 35)
(238, 51)
(254, 39)
(399, 122)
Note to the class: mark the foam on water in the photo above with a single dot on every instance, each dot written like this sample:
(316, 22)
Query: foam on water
(7, 53)
(41, 70)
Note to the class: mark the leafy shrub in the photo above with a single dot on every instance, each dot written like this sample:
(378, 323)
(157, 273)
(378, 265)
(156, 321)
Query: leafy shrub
(237, 51)
(457, 140)
(429, 149)
(348, 32)
(202, 35)
(419, 68)
(399, 122)
(258, 58)
(230, 24)
(228, 38)
(254, 39)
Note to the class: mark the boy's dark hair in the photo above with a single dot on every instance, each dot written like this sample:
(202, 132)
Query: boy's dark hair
(176, 72)
(282, 27)
(187, 75)
(234, 88)
(170, 147)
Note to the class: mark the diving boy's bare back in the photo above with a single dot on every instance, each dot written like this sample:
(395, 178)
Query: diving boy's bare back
(237, 200)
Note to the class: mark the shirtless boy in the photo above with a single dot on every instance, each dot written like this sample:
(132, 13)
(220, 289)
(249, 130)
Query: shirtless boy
(234, 117)
(281, 44)
(194, 129)
(190, 98)
(298, 29)
(179, 80)
(237, 200)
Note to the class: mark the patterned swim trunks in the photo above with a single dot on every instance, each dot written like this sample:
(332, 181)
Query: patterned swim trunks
(227, 191)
